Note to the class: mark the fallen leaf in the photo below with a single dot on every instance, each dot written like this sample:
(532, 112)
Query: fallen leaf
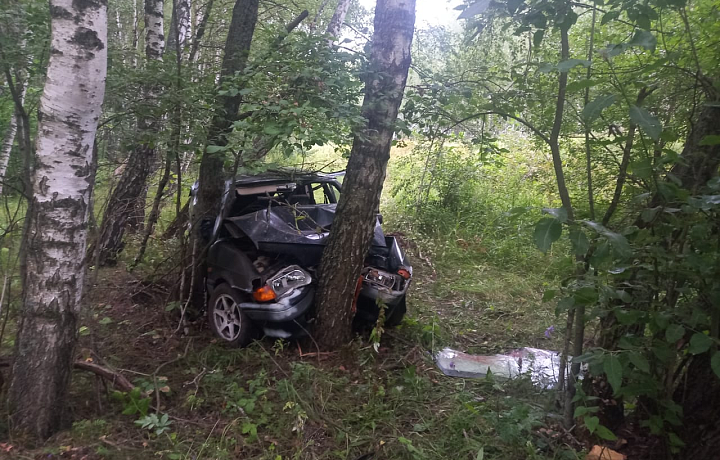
(604, 453)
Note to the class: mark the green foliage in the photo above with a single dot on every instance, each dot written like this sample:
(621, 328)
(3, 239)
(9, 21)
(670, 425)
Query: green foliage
(134, 402)
(547, 231)
(152, 422)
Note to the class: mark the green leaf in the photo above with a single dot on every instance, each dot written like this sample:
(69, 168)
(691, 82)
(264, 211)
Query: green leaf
(645, 39)
(105, 321)
(564, 305)
(628, 317)
(215, 148)
(624, 295)
(546, 67)
(649, 214)
(613, 371)
(607, 17)
(642, 168)
(272, 129)
(715, 363)
(591, 423)
(565, 66)
(558, 213)
(649, 123)
(699, 343)
(640, 362)
(618, 242)
(547, 231)
(710, 139)
(581, 84)
(674, 332)
(580, 242)
(643, 21)
(538, 37)
(586, 296)
(474, 9)
(594, 109)
(604, 433)
(481, 454)
(548, 295)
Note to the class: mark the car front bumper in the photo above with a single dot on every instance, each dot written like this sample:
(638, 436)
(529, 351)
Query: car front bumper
(288, 308)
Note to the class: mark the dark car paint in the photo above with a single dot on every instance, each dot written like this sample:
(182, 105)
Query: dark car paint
(276, 231)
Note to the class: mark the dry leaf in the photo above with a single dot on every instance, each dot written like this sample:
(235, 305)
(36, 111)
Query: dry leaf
(604, 453)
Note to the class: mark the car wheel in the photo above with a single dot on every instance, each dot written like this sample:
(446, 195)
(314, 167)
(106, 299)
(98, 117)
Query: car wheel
(227, 320)
(395, 317)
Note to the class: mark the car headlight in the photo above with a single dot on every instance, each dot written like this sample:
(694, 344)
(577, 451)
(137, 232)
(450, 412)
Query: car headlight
(288, 279)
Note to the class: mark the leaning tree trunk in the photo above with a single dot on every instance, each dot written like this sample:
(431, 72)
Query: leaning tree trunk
(333, 30)
(128, 199)
(356, 213)
(209, 194)
(62, 183)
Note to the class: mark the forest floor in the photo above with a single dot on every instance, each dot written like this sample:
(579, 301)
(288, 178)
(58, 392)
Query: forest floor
(280, 400)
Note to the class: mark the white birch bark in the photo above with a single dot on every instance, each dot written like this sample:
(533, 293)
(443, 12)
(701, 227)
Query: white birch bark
(135, 38)
(180, 28)
(9, 139)
(337, 21)
(57, 226)
(154, 33)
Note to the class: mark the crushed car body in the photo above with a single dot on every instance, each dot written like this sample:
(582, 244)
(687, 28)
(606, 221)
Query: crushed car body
(264, 250)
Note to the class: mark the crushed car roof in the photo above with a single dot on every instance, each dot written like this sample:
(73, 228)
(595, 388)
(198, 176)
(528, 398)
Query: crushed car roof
(284, 175)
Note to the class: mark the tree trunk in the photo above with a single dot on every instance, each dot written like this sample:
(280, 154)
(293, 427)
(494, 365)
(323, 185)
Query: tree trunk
(9, 139)
(127, 202)
(700, 162)
(357, 210)
(62, 184)
(200, 31)
(237, 48)
(337, 20)
(179, 25)
(699, 397)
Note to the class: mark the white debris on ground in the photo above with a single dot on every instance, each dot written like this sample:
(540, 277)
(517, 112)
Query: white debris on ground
(542, 366)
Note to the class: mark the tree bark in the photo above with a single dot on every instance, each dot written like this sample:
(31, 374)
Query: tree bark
(62, 183)
(9, 139)
(209, 194)
(356, 213)
(127, 202)
(179, 25)
(699, 397)
(333, 30)
(200, 31)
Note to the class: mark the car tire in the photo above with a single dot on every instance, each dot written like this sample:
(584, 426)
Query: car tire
(396, 314)
(227, 321)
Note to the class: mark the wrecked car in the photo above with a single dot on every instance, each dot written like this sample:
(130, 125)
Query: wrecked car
(264, 251)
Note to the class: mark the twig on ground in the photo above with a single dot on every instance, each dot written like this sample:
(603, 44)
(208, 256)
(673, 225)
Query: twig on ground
(312, 354)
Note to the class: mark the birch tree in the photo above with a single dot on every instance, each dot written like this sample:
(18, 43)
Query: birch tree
(9, 139)
(128, 198)
(337, 20)
(352, 230)
(62, 183)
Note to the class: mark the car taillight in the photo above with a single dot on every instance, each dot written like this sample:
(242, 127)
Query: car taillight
(264, 294)
(404, 273)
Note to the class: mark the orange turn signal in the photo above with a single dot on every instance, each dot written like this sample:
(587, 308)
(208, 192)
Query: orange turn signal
(264, 294)
(404, 273)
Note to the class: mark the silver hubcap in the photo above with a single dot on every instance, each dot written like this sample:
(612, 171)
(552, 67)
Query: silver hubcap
(227, 317)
